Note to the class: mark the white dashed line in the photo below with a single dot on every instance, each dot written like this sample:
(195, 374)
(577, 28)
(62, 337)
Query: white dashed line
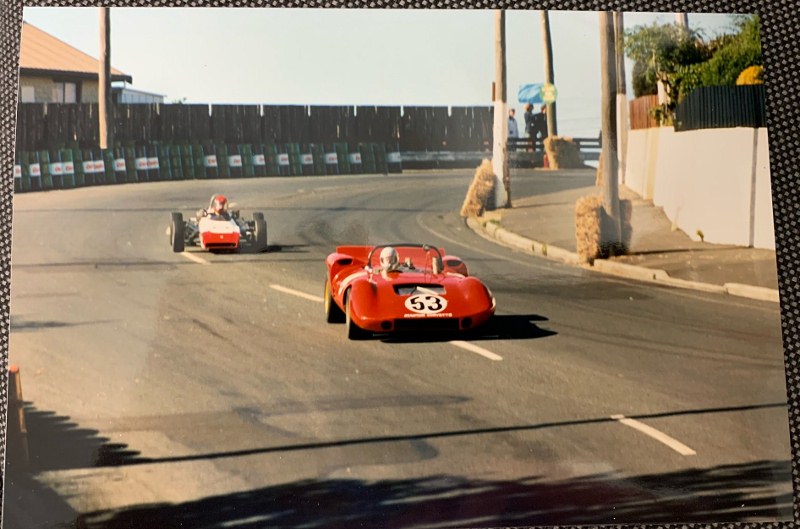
(478, 350)
(297, 293)
(655, 434)
(194, 258)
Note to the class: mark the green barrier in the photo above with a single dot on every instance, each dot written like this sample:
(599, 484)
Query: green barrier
(284, 161)
(45, 178)
(175, 162)
(318, 158)
(186, 155)
(210, 161)
(130, 163)
(19, 171)
(233, 161)
(33, 170)
(107, 155)
(92, 169)
(393, 161)
(342, 153)
(78, 174)
(164, 155)
(379, 154)
(331, 160)
(246, 152)
(259, 160)
(273, 166)
(120, 165)
(367, 157)
(223, 170)
(67, 177)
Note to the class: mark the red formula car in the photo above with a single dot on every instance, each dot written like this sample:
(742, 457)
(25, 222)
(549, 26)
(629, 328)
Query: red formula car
(403, 287)
(217, 228)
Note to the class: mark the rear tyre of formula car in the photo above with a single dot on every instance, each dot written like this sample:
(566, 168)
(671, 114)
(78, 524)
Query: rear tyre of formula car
(260, 232)
(354, 332)
(176, 233)
(333, 314)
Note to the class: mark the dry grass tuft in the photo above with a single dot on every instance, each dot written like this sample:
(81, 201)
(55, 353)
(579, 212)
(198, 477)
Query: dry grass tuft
(588, 219)
(562, 153)
(480, 191)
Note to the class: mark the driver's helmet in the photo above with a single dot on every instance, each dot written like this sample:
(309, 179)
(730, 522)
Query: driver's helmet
(219, 204)
(389, 258)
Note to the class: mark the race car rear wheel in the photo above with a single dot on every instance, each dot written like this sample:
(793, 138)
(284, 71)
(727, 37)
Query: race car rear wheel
(260, 232)
(176, 233)
(354, 332)
(333, 314)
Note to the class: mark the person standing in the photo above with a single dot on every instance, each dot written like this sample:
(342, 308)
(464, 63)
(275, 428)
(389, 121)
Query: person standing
(529, 131)
(513, 130)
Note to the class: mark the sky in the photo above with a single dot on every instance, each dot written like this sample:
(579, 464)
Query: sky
(350, 56)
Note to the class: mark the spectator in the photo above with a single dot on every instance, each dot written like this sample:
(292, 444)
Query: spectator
(513, 130)
(529, 131)
(539, 124)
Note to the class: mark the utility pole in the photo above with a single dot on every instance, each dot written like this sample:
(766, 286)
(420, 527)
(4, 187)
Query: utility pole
(611, 232)
(500, 131)
(549, 77)
(622, 96)
(106, 129)
(682, 19)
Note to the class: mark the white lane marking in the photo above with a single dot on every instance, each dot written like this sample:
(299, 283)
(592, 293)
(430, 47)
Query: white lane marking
(475, 349)
(297, 293)
(676, 445)
(194, 258)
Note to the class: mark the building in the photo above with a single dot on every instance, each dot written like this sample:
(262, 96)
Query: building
(52, 71)
(124, 94)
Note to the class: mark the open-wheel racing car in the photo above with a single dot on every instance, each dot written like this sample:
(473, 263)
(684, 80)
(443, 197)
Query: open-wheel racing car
(217, 228)
(403, 287)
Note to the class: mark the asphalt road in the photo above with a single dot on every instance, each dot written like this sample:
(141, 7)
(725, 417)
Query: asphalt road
(173, 390)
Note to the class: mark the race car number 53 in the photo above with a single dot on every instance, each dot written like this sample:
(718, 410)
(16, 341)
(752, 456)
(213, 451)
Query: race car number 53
(426, 304)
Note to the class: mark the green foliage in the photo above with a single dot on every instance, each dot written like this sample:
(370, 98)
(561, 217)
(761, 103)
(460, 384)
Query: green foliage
(658, 50)
(683, 62)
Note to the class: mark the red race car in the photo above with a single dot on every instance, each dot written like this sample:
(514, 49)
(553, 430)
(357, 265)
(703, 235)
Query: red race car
(217, 228)
(403, 287)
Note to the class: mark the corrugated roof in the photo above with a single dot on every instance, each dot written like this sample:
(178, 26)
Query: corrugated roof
(42, 51)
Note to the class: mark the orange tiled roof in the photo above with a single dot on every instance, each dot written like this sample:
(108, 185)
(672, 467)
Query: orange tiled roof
(40, 51)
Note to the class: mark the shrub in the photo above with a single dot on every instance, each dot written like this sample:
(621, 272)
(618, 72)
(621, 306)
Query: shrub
(480, 191)
(751, 75)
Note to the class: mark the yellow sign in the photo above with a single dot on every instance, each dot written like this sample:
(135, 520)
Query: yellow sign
(549, 93)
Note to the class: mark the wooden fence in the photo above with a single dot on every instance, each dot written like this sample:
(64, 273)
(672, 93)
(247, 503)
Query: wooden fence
(52, 126)
(640, 112)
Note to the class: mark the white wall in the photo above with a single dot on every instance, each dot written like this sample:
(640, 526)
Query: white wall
(716, 181)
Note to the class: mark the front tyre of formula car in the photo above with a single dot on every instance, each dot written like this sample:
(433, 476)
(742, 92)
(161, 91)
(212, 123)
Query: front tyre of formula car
(333, 314)
(176, 233)
(260, 232)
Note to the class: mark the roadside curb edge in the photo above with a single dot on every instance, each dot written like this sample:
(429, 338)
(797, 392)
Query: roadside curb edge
(641, 273)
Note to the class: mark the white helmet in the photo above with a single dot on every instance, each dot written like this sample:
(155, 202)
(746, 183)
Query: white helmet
(389, 258)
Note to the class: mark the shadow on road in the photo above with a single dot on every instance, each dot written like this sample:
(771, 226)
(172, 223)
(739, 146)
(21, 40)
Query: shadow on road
(22, 325)
(499, 327)
(759, 490)
(717, 494)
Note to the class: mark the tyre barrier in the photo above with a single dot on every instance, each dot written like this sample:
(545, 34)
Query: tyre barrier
(70, 167)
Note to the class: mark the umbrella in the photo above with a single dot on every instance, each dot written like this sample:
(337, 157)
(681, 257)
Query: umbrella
(530, 93)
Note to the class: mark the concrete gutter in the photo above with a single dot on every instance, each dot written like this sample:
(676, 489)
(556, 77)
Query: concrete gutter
(493, 230)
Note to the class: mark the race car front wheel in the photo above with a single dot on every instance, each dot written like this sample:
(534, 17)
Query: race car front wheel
(354, 332)
(333, 314)
(260, 232)
(176, 233)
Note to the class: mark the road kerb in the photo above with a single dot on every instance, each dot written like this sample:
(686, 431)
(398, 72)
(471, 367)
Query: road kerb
(752, 292)
(653, 275)
(523, 243)
(629, 271)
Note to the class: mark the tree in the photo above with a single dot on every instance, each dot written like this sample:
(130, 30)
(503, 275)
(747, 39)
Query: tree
(658, 50)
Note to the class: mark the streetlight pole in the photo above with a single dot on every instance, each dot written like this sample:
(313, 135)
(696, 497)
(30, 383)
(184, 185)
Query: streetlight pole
(500, 130)
(549, 76)
(622, 96)
(610, 233)
(106, 130)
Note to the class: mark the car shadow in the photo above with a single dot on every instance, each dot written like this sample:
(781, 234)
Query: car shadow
(499, 327)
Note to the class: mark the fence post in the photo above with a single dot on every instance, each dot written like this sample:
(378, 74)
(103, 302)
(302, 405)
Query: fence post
(17, 429)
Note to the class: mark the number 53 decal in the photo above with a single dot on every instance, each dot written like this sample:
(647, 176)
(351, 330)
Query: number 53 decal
(426, 304)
